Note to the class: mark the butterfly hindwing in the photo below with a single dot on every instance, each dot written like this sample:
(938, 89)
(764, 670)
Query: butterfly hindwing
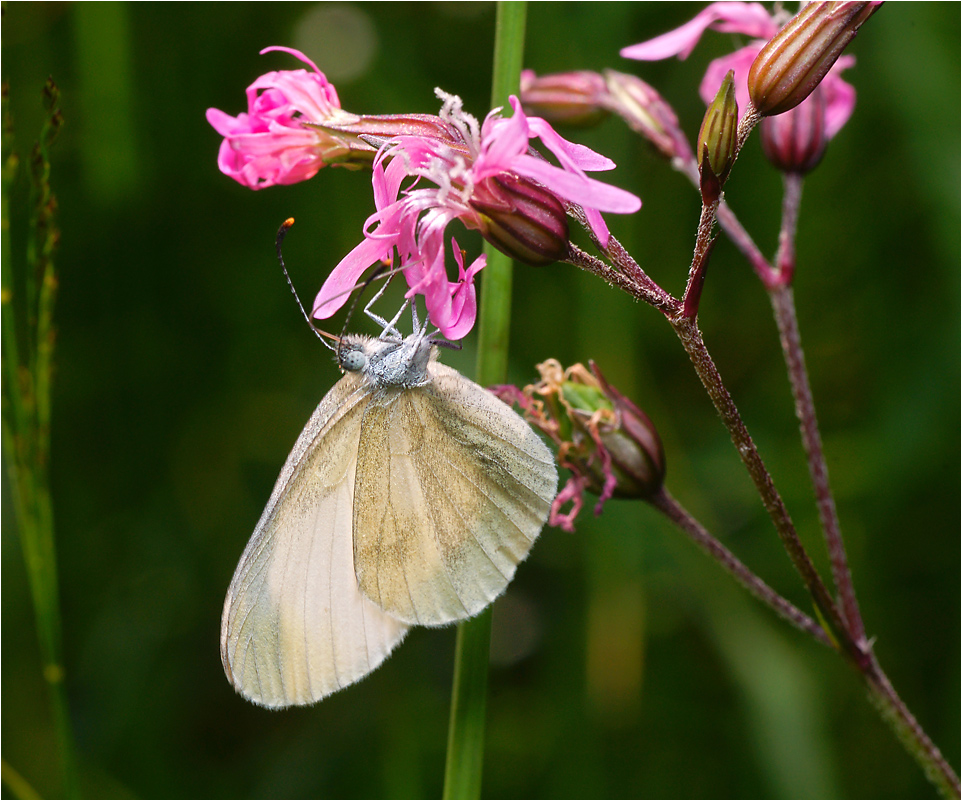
(452, 489)
(295, 627)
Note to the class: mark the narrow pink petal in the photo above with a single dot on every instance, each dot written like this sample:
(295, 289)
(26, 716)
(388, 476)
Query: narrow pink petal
(578, 189)
(748, 18)
(751, 19)
(597, 224)
(679, 42)
(504, 141)
(296, 53)
(569, 154)
(572, 491)
(464, 305)
(387, 182)
(464, 314)
(272, 142)
(343, 278)
(294, 92)
(433, 283)
(223, 123)
(229, 163)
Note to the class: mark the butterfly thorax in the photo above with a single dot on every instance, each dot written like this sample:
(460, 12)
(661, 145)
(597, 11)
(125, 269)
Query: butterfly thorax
(387, 362)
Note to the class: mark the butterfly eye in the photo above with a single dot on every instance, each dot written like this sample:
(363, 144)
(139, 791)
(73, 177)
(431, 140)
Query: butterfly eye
(353, 360)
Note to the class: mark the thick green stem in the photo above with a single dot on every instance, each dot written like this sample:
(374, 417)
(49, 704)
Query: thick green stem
(469, 697)
(465, 757)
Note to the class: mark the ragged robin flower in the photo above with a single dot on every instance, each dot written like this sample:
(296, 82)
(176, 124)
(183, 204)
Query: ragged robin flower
(607, 442)
(488, 177)
(294, 125)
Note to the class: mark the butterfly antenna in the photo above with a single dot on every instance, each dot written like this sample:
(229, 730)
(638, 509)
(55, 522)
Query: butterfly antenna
(281, 233)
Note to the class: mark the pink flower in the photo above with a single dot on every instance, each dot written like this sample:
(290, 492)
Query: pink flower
(418, 241)
(274, 143)
(412, 223)
(751, 19)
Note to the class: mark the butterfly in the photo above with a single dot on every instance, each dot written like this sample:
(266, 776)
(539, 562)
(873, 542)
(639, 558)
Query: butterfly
(410, 498)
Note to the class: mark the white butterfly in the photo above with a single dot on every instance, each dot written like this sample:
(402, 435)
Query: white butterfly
(409, 499)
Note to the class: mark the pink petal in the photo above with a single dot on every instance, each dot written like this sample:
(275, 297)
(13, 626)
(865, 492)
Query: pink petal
(839, 96)
(839, 103)
(740, 61)
(572, 491)
(387, 182)
(296, 53)
(502, 142)
(343, 278)
(748, 18)
(225, 124)
(569, 152)
(578, 189)
(464, 306)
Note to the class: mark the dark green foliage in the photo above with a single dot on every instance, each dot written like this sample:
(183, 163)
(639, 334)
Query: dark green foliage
(627, 665)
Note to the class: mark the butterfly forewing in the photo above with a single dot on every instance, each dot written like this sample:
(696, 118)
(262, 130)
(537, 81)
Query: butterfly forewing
(295, 627)
(452, 489)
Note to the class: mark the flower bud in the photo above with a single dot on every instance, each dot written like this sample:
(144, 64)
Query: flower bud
(716, 139)
(521, 218)
(795, 141)
(646, 112)
(637, 456)
(795, 60)
(353, 141)
(569, 98)
(609, 445)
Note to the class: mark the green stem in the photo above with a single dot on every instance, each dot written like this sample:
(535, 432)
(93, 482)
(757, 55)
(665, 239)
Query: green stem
(465, 757)
(11, 352)
(469, 696)
(27, 370)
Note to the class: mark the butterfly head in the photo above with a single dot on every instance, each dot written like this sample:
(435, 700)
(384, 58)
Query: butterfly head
(387, 361)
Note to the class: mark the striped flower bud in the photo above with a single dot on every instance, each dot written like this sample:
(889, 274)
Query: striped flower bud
(795, 141)
(522, 219)
(795, 60)
(716, 139)
(568, 98)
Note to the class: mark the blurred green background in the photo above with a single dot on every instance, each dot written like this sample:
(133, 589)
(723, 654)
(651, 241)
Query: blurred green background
(625, 663)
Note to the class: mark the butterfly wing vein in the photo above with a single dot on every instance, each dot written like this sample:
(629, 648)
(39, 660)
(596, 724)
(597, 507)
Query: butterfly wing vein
(452, 489)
